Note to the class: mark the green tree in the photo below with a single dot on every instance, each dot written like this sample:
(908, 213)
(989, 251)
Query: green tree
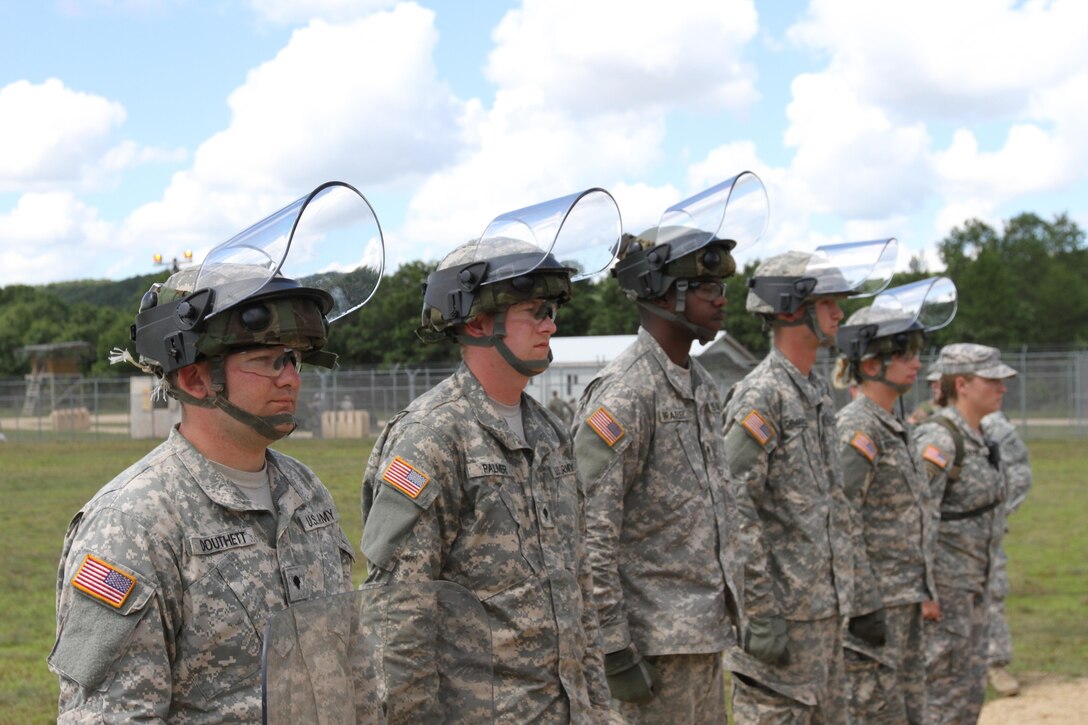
(1025, 285)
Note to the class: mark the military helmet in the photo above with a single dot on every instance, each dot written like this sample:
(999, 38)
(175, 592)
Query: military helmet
(898, 319)
(489, 275)
(177, 324)
(878, 332)
(650, 263)
(783, 283)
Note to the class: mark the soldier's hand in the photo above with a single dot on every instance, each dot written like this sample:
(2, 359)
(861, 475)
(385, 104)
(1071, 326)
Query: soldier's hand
(766, 639)
(631, 678)
(931, 611)
(869, 628)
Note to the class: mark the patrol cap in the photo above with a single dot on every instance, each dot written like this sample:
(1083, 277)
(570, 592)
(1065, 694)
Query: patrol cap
(968, 358)
(934, 374)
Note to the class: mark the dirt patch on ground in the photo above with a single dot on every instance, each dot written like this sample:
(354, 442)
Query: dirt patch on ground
(1043, 698)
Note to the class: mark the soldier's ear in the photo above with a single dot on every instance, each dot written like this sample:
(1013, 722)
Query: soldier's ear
(196, 379)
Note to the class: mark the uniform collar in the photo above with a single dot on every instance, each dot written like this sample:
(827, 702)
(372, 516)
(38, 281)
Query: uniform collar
(679, 378)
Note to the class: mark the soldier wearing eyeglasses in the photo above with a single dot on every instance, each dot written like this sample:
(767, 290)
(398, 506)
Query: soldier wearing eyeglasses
(661, 515)
(475, 483)
(170, 573)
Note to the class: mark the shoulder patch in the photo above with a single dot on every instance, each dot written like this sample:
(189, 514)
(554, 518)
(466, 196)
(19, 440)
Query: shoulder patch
(864, 445)
(406, 478)
(757, 427)
(934, 455)
(605, 426)
(104, 582)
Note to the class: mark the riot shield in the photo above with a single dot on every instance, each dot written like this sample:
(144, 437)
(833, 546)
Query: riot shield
(415, 652)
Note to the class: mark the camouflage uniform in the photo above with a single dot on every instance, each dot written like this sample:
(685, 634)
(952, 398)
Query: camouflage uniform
(802, 564)
(450, 492)
(661, 521)
(972, 521)
(187, 574)
(889, 486)
(1017, 469)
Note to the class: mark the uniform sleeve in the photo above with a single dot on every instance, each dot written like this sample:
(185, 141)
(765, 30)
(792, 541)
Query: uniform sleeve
(409, 506)
(858, 458)
(593, 660)
(935, 449)
(610, 453)
(750, 438)
(114, 640)
(1014, 458)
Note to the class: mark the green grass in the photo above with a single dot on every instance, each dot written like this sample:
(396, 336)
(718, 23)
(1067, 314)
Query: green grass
(44, 482)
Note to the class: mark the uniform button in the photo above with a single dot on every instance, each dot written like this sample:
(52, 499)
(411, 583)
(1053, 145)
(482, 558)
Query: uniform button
(544, 515)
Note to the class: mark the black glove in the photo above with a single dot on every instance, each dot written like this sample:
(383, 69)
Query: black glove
(766, 639)
(869, 628)
(631, 678)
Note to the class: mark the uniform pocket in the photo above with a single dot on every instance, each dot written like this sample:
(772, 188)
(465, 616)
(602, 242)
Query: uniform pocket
(220, 647)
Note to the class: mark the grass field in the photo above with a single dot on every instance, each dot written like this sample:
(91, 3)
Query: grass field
(43, 483)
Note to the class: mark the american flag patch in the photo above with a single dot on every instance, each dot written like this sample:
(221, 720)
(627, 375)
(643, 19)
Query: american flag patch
(864, 445)
(757, 427)
(407, 479)
(933, 455)
(606, 426)
(103, 582)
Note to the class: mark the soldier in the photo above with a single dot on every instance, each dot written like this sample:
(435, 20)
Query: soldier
(880, 346)
(172, 569)
(661, 515)
(967, 492)
(927, 407)
(475, 483)
(560, 408)
(1017, 468)
(803, 573)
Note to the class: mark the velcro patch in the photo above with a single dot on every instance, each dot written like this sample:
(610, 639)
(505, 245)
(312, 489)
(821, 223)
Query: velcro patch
(606, 426)
(757, 427)
(405, 477)
(933, 455)
(103, 581)
(864, 445)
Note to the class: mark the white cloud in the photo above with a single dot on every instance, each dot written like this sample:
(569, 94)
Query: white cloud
(50, 236)
(53, 137)
(628, 54)
(851, 157)
(968, 59)
(358, 102)
(287, 12)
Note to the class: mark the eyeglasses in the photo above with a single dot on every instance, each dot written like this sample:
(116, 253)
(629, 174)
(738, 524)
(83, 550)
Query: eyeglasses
(268, 361)
(710, 290)
(545, 309)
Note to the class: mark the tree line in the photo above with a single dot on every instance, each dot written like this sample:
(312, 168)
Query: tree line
(1026, 284)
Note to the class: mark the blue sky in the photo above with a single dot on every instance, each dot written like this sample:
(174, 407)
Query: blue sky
(135, 127)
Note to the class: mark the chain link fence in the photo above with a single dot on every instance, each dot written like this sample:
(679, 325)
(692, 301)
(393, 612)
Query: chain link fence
(1049, 398)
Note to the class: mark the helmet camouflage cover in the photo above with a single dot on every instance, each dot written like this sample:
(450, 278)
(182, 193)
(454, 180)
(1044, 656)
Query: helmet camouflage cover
(280, 313)
(796, 283)
(488, 276)
(646, 269)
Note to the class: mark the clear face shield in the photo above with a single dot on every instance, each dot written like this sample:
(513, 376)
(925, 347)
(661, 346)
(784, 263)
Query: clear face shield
(328, 240)
(574, 235)
(579, 230)
(898, 321)
(856, 269)
(736, 210)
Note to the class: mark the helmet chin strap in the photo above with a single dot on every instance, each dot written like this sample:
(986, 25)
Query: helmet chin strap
(808, 319)
(881, 377)
(702, 334)
(528, 368)
(264, 425)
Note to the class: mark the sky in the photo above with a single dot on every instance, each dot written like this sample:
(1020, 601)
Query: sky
(130, 128)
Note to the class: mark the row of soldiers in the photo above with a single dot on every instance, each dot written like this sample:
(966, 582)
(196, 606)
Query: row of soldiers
(836, 564)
